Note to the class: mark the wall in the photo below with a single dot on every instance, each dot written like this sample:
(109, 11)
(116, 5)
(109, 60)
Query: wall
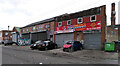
(5, 37)
(85, 19)
(103, 26)
(111, 37)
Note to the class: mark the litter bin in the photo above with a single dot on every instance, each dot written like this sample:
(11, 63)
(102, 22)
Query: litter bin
(110, 46)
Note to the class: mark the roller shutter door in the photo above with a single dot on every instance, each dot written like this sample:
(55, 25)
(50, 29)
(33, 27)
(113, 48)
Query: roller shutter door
(92, 40)
(39, 36)
(60, 38)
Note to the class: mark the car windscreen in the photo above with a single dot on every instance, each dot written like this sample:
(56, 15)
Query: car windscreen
(37, 42)
(68, 42)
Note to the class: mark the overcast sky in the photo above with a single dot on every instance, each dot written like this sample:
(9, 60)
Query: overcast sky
(23, 12)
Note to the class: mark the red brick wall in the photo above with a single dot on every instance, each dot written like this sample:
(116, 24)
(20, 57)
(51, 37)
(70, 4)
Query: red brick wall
(85, 20)
(103, 26)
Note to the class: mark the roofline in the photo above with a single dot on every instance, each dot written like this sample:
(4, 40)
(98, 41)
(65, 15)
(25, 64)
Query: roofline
(39, 22)
(53, 18)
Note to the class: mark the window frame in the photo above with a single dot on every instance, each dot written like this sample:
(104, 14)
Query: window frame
(59, 25)
(27, 29)
(81, 20)
(23, 30)
(68, 21)
(91, 18)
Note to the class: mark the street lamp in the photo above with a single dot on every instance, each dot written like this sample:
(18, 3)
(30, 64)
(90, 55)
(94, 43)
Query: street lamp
(8, 32)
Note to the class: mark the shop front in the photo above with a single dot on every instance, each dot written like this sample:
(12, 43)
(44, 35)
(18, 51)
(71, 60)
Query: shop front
(90, 33)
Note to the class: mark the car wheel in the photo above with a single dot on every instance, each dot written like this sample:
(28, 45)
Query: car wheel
(32, 48)
(64, 50)
(70, 49)
(56, 47)
(4, 44)
(46, 48)
(80, 48)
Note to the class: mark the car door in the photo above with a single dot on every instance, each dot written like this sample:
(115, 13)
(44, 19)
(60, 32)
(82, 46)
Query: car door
(75, 44)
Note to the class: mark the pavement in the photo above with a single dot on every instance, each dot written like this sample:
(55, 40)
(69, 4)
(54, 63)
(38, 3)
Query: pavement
(24, 55)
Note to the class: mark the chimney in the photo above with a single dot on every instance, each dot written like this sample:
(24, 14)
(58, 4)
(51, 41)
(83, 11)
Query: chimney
(113, 13)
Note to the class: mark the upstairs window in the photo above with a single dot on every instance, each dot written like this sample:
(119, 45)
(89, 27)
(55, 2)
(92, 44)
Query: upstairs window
(47, 26)
(27, 30)
(93, 18)
(111, 33)
(34, 28)
(115, 34)
(23, 30)
(80, 20)
(59, 24)
(6, 33)
(69, 22)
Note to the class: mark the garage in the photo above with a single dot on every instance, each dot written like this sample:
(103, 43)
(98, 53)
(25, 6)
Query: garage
(38, 36)
(60, 38)
(92, 40)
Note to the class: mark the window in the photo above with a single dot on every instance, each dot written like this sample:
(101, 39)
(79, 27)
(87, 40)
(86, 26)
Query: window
(115, 34)
(27, 30)
(80, 20)
(59, 24)
(93, 18)
(111, 33)
(6, 33)
(0, 34)
(47, 26)
(23, 30)
(107, 31)
(34, 28)
(69, 22)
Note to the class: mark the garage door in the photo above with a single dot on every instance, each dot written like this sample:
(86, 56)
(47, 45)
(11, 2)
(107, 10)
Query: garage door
(60, 38)
(92, 40)
(39, 36)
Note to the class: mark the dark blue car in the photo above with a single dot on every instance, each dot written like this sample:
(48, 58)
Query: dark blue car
(72, 46)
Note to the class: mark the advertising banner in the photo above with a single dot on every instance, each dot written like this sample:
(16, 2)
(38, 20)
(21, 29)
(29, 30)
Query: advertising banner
(79, 27)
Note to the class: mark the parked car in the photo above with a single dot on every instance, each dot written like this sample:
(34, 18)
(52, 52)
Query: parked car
(72, 46)
(47, 45)
(36, 44)
(9, 42)
(1, 42)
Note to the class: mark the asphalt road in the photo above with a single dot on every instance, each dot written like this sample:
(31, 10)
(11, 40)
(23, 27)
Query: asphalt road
(16, 56)
(12, 55)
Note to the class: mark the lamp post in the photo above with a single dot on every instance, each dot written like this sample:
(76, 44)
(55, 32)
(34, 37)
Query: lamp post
(8, 32)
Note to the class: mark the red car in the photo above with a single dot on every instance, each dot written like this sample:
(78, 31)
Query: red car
(72, 46)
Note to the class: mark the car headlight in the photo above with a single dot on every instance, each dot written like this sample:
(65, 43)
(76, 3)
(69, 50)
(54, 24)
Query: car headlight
(34, 45)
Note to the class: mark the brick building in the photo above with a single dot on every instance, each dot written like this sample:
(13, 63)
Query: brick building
(112, 30)
(88, 25)
(5, 35)
(42, 30)
(111, 34)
